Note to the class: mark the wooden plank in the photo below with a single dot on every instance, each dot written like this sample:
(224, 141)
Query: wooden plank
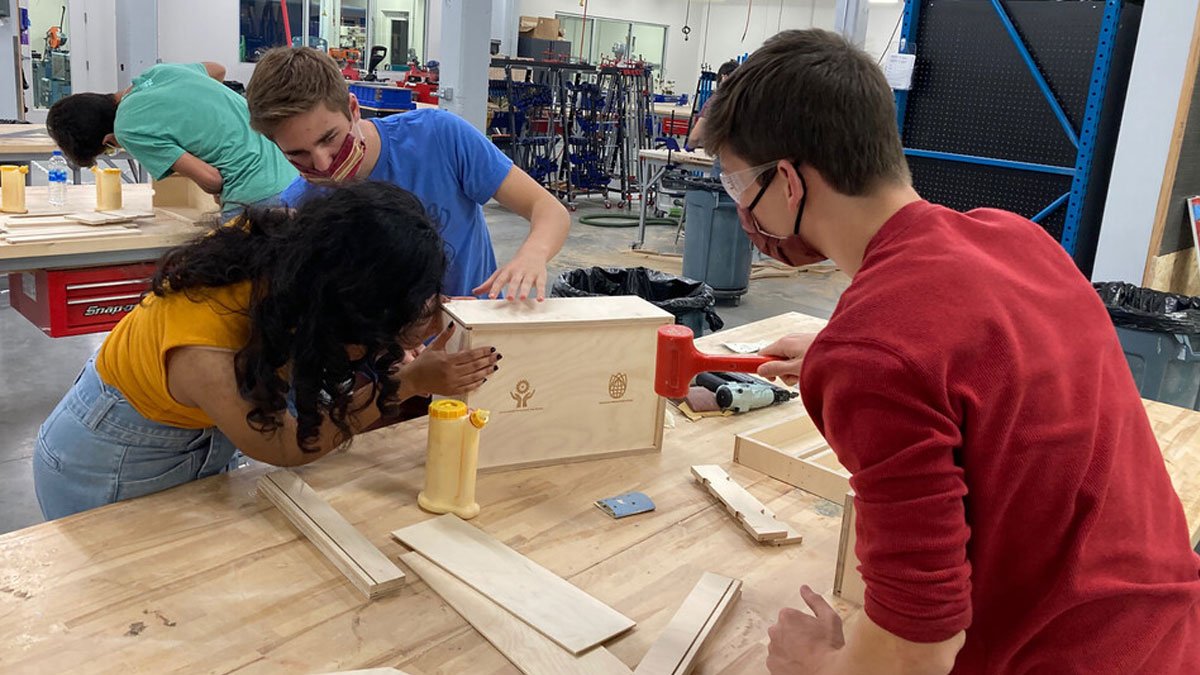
(749, 512)
(18, 222)
(530, 651)
(802, 463)
(364, 565)
(847, 582)
(369, 671)
(1163, 275)
(64, 228)
(70, 236)
(620, 309)
(676, 649)
(97, 218)
(558, 610)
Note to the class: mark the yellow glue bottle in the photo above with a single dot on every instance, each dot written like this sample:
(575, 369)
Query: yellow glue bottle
(452, 457)
(108, 189)
(12, 188)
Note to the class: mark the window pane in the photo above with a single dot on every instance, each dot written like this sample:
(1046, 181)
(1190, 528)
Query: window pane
(612, 39)
(649, 43)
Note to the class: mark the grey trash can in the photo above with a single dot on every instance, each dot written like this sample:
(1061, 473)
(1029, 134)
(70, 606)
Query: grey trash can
(715, 249)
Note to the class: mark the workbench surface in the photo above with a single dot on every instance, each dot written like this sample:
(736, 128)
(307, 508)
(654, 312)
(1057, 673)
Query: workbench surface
(25, 139)
(681, 157)
(158, 234)
(209, 578)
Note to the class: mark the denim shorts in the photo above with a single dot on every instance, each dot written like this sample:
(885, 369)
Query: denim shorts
(96, 449)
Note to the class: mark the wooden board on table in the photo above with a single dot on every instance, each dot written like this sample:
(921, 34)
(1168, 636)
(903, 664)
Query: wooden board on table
(747, 510)
(47, 236)
(97, 218)
(675, 651)
(794, 452)
(530, 651)
(364, 565)
(369, 671)
(558, 610)
(847, 582)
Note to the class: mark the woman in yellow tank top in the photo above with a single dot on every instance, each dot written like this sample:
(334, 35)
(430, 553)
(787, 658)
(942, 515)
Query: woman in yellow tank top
(282, 338)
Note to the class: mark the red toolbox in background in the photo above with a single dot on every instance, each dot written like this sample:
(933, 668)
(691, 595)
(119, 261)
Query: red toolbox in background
(78, 301)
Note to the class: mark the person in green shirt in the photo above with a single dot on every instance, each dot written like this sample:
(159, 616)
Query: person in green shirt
(177, 118)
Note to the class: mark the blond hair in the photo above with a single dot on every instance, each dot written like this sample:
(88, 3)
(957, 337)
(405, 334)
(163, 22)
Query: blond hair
(291, 81)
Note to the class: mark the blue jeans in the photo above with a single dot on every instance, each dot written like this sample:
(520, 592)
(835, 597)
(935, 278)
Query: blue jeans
(96, 449)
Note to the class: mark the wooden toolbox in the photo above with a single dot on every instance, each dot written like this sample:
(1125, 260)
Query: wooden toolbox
(576, 381)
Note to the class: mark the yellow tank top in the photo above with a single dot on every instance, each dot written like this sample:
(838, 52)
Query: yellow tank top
(134, 356)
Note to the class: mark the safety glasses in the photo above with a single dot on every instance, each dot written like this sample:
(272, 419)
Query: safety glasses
(738, 182)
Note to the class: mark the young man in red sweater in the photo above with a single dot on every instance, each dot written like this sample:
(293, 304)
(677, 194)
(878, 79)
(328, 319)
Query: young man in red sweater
(1014, 511)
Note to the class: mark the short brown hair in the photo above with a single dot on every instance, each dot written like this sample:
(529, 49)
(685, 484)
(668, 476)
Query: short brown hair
(291, 81)
(811, 97)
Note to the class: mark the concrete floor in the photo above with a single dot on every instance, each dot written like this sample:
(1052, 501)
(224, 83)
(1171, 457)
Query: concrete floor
(38, 370)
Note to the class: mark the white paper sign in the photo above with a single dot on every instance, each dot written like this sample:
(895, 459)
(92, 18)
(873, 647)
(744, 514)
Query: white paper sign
(899, 71)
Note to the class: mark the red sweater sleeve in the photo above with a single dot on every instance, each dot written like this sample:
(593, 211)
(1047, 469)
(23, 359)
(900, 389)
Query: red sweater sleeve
(897, 435)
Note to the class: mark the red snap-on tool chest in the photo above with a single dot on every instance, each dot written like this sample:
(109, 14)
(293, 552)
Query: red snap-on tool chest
(78, 301)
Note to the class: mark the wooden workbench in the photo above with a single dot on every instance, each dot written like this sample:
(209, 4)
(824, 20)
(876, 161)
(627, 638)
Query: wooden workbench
(25, 143)
(25, 140)
(158, 234)
(209, 578)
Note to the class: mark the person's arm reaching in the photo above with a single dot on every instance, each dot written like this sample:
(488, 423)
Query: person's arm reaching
(204, 174)
(205, 378)
(215, 70)
(815, 645)
(893, 428)
(695, 138)
(549, 224)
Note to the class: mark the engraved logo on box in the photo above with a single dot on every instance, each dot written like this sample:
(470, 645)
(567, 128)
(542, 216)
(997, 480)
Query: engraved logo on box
(618, 386)
(523, 392)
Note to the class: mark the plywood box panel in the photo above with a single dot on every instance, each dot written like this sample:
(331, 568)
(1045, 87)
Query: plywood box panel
(794, 452)
(576, 381)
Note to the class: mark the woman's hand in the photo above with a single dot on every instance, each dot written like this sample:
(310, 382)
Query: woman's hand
(436, 371)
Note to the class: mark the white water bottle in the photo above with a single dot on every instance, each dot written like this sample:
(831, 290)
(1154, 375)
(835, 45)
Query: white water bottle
(58, 171)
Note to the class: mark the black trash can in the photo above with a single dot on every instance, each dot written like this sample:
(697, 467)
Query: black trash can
(691, 302)
(1160, 335)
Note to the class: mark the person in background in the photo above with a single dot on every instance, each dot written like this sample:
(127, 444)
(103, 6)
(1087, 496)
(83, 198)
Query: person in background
(177, 118)
(299, 100)
(282, 337)
(695, 139)
(1014, 513)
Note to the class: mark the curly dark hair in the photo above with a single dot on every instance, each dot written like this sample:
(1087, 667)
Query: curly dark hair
(78, 124)
(357, 265)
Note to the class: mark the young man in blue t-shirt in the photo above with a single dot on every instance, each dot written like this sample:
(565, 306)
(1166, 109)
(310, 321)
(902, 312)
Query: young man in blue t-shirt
(299, 100)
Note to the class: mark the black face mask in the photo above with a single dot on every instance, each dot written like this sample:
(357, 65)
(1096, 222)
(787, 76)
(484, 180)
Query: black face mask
(793, 250)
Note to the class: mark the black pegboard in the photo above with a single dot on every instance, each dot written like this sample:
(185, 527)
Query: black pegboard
(963, 187)
(972, 93)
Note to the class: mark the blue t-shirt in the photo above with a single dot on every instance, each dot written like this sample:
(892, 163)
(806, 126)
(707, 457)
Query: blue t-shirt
(453, 169)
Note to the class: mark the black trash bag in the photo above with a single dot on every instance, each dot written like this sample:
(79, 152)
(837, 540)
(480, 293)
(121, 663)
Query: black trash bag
(1131, 306)
(686, 299)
